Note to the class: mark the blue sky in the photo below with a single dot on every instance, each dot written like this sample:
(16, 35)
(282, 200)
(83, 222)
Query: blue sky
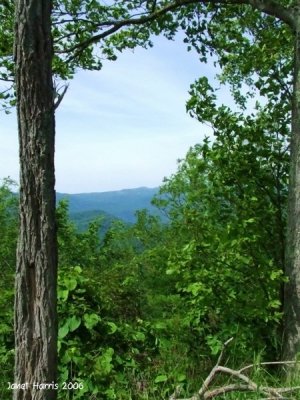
(124, 126)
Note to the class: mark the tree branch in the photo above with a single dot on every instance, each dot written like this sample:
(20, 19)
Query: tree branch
(270, 7)
(269, 363)
(60, 96)
(273, 8)
(248, 384)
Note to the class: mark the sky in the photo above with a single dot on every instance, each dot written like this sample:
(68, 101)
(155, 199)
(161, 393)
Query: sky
(124, 126)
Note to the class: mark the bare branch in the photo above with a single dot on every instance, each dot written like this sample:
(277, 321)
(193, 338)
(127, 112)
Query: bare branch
(229, 388)
(213, 372)
(268, 363)
(223, 349)
(60, 96)
(248, 384)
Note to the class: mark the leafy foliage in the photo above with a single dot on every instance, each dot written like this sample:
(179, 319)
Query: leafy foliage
(226, 225)
(147, 306)
(8, 234)
(227, 206)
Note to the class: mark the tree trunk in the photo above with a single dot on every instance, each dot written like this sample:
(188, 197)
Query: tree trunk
(36, 271)
(291, 342)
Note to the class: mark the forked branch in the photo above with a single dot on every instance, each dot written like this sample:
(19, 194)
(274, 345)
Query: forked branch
(60, 96)
(245, 384)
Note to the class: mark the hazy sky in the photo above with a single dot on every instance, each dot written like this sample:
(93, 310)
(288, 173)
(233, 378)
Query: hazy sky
(122, 127)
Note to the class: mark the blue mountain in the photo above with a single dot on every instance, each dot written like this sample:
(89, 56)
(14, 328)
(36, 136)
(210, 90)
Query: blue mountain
(120, 204)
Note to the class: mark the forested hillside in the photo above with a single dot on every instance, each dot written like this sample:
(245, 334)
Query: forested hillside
(121, 204)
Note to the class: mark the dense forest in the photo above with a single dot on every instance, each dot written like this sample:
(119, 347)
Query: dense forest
(208, 287)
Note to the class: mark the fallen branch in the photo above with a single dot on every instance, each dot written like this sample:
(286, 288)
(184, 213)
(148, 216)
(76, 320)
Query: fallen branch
(269, 363)
(247, 384)
(213, 372)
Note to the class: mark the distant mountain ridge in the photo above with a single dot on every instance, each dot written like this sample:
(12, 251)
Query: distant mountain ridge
(120, 204)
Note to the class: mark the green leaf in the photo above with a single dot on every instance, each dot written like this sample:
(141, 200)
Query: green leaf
(181, 377)
(90, 320)
(140, 336)
(63, 331)
(161, 378)
(73, 323)
(70, 283)
(103, 363)
(63, 295)
(112, 326)
(214, 343)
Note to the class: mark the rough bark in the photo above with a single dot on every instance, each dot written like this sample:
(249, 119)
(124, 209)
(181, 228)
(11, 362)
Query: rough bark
(291, 342)
(36, 271)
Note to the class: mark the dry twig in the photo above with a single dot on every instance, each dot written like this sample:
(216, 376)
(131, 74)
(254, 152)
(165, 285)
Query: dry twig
(247, 384)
